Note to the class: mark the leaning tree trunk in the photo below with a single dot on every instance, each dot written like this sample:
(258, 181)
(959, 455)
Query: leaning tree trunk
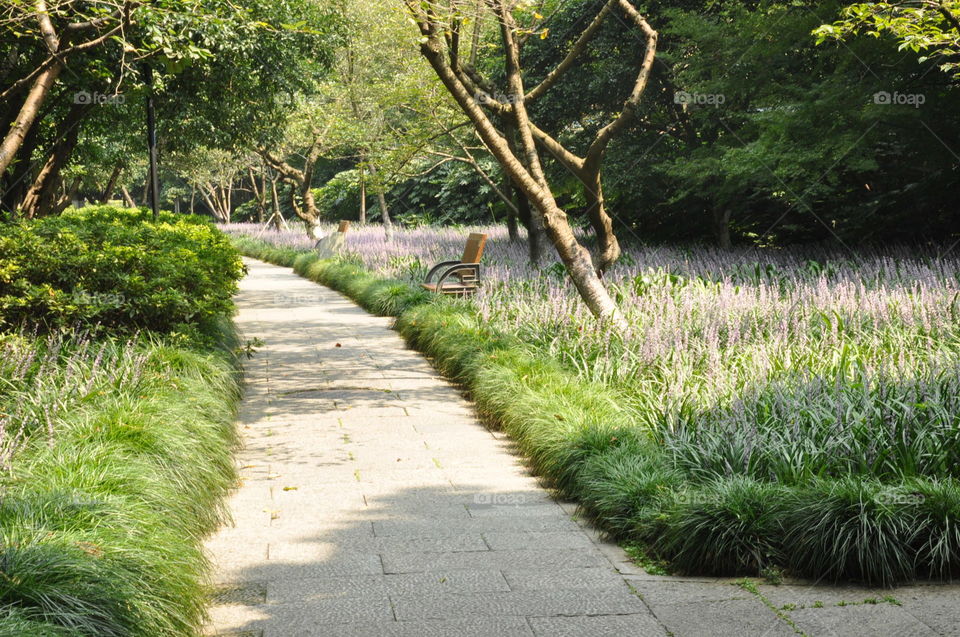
(65, 199)
(28, 114)
(111, 184)
(128, 199)
(533, 182)
(21, 175)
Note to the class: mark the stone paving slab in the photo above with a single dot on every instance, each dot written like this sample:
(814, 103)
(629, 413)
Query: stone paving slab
(659, 594)
(518, 603)
(372, 502)
(856, 621)
(389, 528)
(533, 560)
(394, 586)
(731, 618)
(473, 627)
(563, 579)
(786, 595)
(500, 541)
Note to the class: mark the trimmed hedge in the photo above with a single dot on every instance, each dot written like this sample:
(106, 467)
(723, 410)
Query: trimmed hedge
(578, 438)
(110, 268)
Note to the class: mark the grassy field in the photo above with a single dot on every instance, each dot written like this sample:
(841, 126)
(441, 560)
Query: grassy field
(767, 410)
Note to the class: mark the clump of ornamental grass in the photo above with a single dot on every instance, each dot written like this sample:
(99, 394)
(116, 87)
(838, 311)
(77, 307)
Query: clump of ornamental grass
(724, 527)
(852, 528)
(937, 503)
(105, 504)
(628, 487)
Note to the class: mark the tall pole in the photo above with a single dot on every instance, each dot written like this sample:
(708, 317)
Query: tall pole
(152, 142)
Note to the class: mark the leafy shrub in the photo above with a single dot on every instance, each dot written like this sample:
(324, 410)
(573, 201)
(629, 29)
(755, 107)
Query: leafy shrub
(116, 269)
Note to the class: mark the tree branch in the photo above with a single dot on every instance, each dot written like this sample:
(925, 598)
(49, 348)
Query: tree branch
(605, 134)
(572, 55)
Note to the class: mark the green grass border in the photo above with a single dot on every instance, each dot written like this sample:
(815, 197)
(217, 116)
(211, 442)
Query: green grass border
(102, 530)
(588, 449)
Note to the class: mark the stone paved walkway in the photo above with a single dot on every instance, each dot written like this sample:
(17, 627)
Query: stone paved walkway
(373, 503)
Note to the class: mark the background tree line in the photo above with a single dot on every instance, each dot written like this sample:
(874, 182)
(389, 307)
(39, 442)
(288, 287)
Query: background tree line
(758, 124)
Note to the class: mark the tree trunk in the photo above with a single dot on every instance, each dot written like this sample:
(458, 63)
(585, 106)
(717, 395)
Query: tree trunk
(69, 194)
(277, 215)
(512, 230)
(721, 227)
(534, 226)
(133, 204)
(259, 194)
(111, 184)
(208, 201)
(43, 197)
(311, 215)
(21, 174)
(27, 115)
(608, 248)
(363, 197)
(382, 202)
(227, 195)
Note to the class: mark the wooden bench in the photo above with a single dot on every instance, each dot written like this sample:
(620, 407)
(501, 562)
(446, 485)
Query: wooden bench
(458, 277)
(330, 246)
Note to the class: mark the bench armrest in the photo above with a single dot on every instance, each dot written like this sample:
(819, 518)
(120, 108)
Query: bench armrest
(440, 266)
(469, 271)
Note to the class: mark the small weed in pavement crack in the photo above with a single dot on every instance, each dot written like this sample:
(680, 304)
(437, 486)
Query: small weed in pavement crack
(751, 587)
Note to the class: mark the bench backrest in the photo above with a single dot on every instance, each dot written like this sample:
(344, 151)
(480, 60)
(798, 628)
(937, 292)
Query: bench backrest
(344, 226)
(474, 249)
